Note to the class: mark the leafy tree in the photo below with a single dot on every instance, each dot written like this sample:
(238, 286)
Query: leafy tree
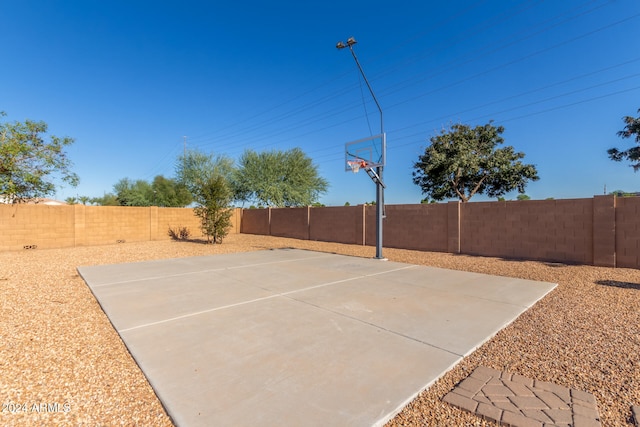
(208, 179)
(620, 193)
(29, 165)
(109, 199)
(523, 197)
(195, 168)
(162, 191)
(278, 178)
(214, 198)
(71, 200)
(631, 129)
(169, 193)
(133, 193)
(84, 199)
(464, 161)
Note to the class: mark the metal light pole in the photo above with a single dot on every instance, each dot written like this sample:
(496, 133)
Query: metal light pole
(379, 183)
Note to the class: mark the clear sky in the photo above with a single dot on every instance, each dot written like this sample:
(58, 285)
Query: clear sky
(130, 79)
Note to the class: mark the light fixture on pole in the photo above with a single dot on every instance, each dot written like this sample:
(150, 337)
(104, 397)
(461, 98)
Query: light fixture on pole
(379, 183)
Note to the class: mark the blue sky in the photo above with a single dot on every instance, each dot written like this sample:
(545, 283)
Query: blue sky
(129, 79)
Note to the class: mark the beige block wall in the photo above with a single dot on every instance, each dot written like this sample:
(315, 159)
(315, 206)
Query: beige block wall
(45, 226)
(36, 226)
(114, 224)
(603, 230)
(175, 219)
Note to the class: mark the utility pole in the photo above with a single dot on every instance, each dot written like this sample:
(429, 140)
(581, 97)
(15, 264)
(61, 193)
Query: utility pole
(184, 152)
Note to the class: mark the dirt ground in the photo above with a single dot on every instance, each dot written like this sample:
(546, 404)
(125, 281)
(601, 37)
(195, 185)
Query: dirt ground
(64, 364)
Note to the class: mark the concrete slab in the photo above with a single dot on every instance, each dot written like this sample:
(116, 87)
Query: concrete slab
(296, 337)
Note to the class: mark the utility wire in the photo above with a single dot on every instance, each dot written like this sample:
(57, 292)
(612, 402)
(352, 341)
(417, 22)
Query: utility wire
(539, 52)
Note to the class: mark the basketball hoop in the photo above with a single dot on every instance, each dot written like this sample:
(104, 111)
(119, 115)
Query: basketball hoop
(355, 165)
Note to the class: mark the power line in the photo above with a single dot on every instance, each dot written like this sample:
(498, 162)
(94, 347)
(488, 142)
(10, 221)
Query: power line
(328, 113)
(256, 131)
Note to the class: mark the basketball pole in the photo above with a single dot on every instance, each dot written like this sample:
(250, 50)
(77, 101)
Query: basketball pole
(379, 184)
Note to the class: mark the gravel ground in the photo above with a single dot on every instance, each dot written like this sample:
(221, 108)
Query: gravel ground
(63, 363)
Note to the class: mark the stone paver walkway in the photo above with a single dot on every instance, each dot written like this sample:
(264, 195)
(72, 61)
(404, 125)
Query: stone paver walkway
(514, 400)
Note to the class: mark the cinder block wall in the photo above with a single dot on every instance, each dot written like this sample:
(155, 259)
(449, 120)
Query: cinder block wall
(34, 226)
(627, 232)
(420, 227)
(290, 222)
(44, 226)
(341, 224)
(175, 219)
(587, 231)
(255, 221)
(533, 229)
(603, 230)
(113, 224)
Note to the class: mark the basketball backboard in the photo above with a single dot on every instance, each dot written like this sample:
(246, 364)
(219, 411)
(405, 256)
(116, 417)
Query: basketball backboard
(371, 150)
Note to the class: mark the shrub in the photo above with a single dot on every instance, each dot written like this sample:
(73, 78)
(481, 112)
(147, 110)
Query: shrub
(181, 233)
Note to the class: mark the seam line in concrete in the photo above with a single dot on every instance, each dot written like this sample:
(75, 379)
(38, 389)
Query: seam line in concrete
(235, 267)
(283, 294)
(375, 326)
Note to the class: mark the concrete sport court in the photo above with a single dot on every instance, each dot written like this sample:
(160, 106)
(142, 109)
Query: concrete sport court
(293, 337)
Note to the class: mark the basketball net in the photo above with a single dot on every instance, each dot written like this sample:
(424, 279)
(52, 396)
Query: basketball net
(356, 165)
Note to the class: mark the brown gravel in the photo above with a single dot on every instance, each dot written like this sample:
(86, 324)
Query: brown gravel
(64, 364)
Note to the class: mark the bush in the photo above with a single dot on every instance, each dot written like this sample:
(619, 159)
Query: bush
(181, 233)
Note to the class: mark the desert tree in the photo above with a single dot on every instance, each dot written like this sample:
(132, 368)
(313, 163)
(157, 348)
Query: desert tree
(165, 192)
(108, 199)
(133, 193)
(630, 130)
(208, 179)
(214, 198)
(30, 164)
(168, 192)
(463, 161)
(278, 178)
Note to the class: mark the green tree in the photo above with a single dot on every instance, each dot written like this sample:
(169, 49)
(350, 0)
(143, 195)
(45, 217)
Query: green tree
(195, 168)
(169, 193)
(71, 200)
(631, 129)
(109, 199)
(162, 191)
(214, 198)
(278, 178)
(208, 179)
(464, 161)
(84, 199)
(620, 193)
(133, 193)
(29, 165)
(523, 197)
